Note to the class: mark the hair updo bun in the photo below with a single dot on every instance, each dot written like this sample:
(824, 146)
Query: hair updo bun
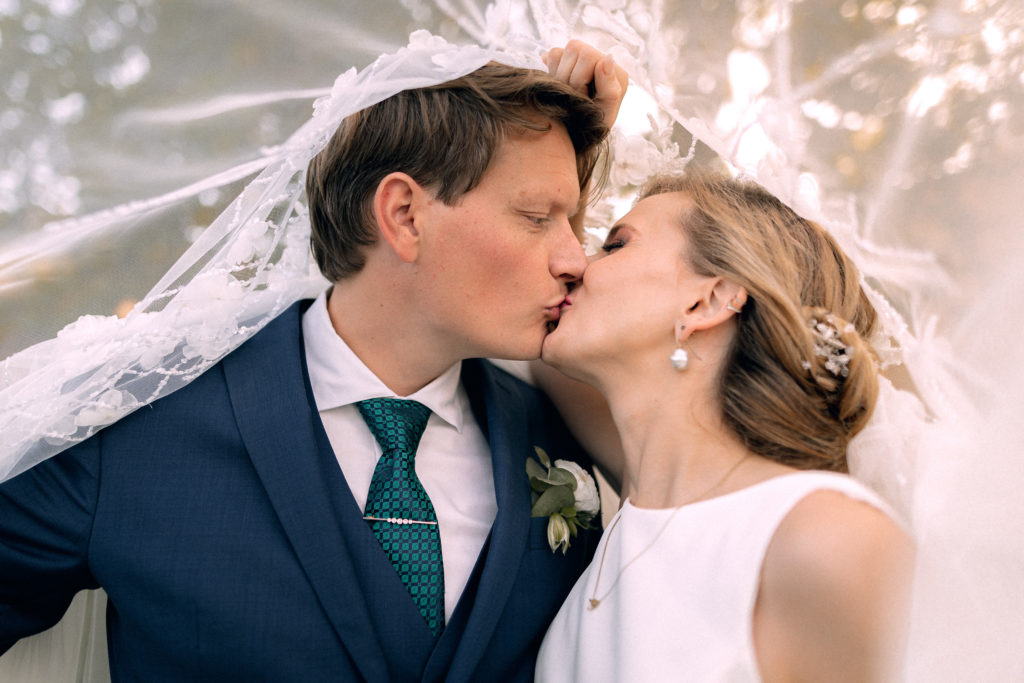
(842, 367)
(792, 390)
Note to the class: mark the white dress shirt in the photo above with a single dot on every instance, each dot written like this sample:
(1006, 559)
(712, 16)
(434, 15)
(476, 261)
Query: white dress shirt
(453, 461)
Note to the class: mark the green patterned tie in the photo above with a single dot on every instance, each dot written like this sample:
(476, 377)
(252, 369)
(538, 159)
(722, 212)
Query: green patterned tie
(398, 507)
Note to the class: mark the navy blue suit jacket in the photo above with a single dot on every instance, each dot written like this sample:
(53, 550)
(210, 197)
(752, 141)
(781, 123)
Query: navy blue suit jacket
(222, 529)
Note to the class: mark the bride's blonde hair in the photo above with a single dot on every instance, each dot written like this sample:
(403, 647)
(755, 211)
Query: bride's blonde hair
(801, 379)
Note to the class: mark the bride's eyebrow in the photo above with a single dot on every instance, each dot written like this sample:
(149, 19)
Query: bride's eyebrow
(614, 231)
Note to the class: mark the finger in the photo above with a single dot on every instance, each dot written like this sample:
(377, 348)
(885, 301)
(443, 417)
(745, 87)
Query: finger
(610, 79)
(612, 68)
(551, 59)
(610, 83)
(583, 71)
(566, 65)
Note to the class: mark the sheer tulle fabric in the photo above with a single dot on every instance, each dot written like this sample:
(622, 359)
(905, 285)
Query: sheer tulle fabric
(246, 268)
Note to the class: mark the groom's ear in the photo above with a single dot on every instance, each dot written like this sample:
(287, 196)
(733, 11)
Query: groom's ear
(394, 206)
(717, 301)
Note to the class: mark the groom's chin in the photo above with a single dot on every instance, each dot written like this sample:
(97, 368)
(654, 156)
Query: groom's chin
(523, 352)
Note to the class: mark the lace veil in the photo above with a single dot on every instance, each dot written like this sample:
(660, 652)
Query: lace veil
(251, 263)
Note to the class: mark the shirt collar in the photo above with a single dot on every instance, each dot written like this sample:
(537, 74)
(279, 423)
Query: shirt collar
(339, 378)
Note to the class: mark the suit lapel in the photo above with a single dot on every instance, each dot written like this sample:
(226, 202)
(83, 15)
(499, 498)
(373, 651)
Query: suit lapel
(504, 421)
(269, 392)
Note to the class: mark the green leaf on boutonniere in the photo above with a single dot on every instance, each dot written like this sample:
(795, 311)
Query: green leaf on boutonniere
(535, 472)
(569, 512)
(551, 501)
(559, 477)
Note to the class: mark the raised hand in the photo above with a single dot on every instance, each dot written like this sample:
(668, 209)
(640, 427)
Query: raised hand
(591, 72)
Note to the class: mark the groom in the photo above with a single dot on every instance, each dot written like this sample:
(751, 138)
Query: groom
(228, 521)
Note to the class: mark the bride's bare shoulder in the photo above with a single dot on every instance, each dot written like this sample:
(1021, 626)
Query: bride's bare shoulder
(827, 531)
(834, 591)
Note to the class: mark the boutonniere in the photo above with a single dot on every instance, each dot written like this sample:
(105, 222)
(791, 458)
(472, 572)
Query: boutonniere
(563, 492)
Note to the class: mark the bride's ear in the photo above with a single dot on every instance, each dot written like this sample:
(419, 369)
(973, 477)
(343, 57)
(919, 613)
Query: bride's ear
(718, 301)
(395, 206)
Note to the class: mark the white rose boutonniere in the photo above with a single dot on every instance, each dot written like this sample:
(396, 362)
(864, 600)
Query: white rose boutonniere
(563, 492)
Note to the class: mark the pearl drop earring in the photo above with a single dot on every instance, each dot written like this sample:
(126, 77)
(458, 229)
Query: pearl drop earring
(679, 358)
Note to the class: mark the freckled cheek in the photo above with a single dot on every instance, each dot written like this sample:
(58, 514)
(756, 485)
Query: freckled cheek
(477, 272)
(506, 260)
(488, 256)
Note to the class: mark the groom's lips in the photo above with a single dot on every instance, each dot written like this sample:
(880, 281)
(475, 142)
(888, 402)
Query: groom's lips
(566, 303)
(555, 312)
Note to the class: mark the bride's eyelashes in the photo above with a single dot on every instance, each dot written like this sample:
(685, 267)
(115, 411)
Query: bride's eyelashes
(616, 239)
(612, 245)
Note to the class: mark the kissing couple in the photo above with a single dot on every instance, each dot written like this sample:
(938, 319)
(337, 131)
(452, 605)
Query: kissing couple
(342, 491)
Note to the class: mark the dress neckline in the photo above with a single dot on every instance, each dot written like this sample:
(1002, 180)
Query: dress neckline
(626, 502)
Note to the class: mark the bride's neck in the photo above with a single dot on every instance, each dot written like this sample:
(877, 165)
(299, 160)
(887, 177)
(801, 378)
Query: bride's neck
(674, 441)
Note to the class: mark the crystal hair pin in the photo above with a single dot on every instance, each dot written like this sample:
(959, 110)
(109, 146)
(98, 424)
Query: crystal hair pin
(829, 346)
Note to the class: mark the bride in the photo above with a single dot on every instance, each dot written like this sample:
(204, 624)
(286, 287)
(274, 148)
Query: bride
(728, 336)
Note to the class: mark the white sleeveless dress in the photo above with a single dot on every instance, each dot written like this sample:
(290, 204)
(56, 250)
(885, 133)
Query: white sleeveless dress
(683, 610)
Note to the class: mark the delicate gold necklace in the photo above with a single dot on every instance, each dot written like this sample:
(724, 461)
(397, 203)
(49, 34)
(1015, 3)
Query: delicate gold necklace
(594, 600)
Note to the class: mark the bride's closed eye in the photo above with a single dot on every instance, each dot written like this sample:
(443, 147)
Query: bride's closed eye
(616, 239)
(611, 245)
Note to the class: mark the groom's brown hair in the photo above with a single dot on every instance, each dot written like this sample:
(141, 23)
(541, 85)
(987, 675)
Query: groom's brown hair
(442, 136)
